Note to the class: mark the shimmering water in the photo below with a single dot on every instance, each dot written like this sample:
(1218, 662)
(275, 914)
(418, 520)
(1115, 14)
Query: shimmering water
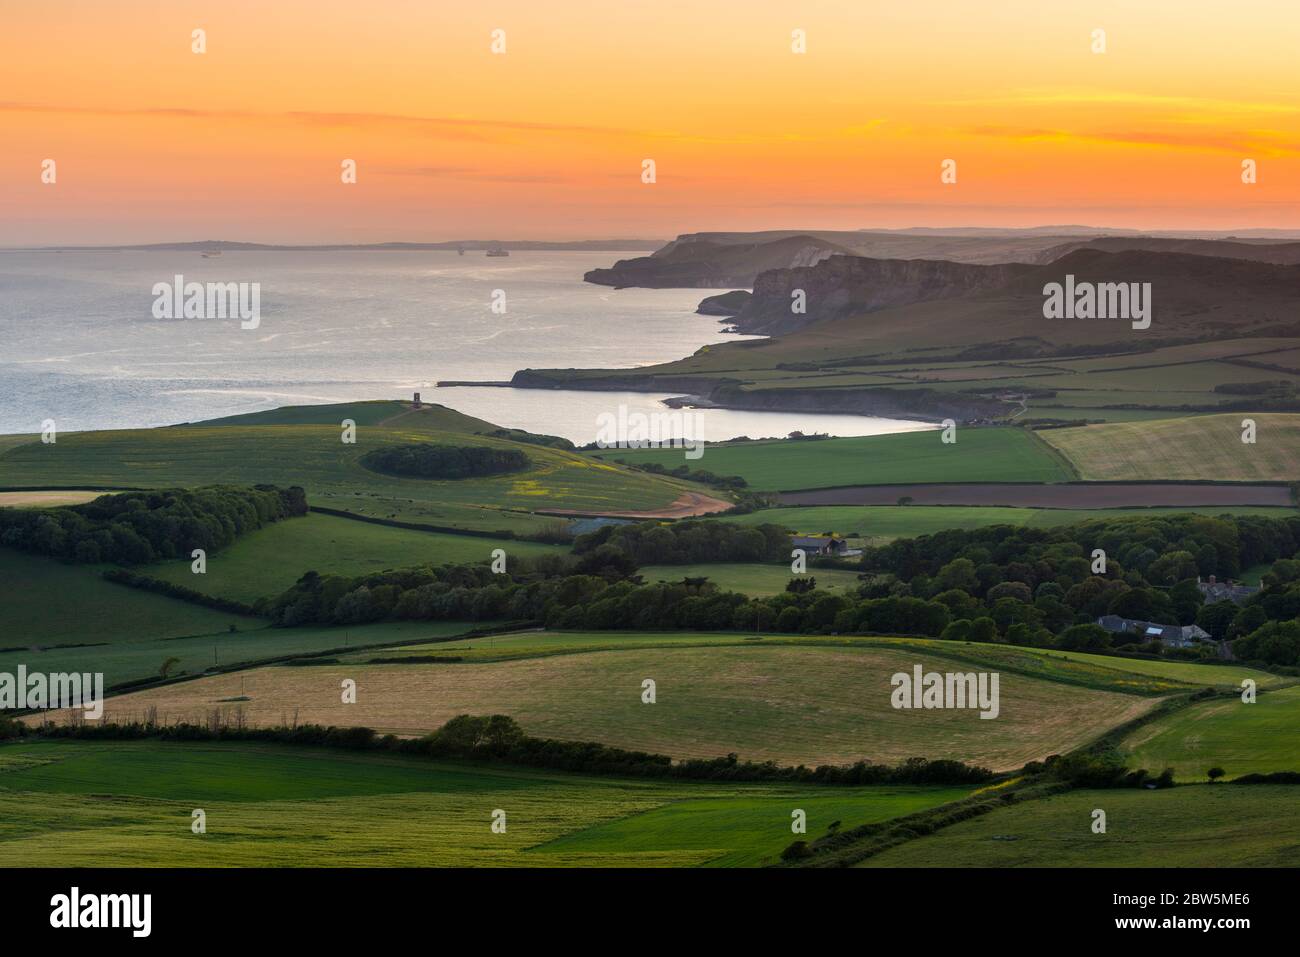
(79, 343)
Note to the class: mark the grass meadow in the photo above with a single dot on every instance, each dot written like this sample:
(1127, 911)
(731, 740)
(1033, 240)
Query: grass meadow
(978, 455)
(269, 560)
(129, 804)
(1222, 825)
(1228, 733)
(1198, 447)
(790, 703)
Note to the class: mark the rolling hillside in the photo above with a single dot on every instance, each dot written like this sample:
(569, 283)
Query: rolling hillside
(978, 455)
(1203, 447)
(816, 704)
(114, 804)
(297, 447)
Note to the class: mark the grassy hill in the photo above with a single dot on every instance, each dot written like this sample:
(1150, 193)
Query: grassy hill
(66, 618)
(978, 455)
(48, 603)
(116, 804)
(269, 560)
(304, 450)
(1202, 447)
(1240, 738)
(1139, 676)
(1220, 324)
(792, 703)
(1219, 826)
(429, 418)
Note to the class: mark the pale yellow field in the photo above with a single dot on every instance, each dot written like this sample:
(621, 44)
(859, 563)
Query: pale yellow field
(791, 705)
(46, 498)
(1197, 447)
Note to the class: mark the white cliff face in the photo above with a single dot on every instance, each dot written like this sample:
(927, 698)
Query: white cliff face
(810, 256)
(695, 260)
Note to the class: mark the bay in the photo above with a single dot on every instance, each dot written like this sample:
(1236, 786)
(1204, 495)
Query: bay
(79, 343)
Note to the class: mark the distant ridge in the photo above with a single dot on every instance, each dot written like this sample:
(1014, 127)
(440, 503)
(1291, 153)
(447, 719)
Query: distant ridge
(212, 245)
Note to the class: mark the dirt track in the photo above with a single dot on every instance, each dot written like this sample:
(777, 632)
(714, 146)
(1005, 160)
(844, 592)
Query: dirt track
(1107, 495)
(686, 505)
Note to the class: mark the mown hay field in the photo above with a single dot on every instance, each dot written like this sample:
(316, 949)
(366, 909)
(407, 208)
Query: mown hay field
(1204, 447)
(790, 704)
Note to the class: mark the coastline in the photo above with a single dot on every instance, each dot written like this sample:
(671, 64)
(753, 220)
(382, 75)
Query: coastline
(715, 392)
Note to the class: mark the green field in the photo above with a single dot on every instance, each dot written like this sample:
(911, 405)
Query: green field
(877, 524)
(438, 418)
(126, 658)
(1199, 447)
(49, 603)
(1240, 738)
(751, 579)
(978, 455)
(794, 703)
(130, 804)
(269, 560)
(1221, 825)
(67, 618)
(312, 455)
(1186, 672)
(752, 829)
(1099, 672)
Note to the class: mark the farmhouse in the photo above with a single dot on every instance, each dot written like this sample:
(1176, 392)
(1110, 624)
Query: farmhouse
(821, 546)
(1176, 636)
(1232, 591)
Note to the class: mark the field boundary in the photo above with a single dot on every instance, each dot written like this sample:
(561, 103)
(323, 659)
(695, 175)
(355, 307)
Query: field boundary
(847, 642)
(1062, 459)
(1100, 495)
(413, 526)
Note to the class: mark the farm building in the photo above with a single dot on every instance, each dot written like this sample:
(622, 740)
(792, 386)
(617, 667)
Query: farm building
(1176, 636)
(1232, 591)
(821, 546)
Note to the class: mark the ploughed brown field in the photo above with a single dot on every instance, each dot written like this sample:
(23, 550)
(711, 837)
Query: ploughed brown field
(1104, 495)
(811, 706)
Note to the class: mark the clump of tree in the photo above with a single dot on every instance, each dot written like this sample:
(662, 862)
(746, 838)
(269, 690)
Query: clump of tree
(434, 461)
(1099, 769)
(1048, 587)
(134, 528)
(687, 543)
(597, 591)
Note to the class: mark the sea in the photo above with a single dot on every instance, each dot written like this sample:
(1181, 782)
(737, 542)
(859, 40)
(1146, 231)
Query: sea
(81, 343)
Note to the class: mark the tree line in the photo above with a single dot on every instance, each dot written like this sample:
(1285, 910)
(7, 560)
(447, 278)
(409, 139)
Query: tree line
(1047, 587)
(1034, 587)
(689, 542)
(134, 528)
(499, 739)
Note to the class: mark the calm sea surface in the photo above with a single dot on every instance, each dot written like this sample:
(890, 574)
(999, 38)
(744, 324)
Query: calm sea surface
(79, 343)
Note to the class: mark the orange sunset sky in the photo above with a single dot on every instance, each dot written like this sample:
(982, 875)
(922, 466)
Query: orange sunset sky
(156, 143)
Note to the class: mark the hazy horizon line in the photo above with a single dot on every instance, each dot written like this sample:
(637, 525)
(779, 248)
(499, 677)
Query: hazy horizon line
(1256, 232)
